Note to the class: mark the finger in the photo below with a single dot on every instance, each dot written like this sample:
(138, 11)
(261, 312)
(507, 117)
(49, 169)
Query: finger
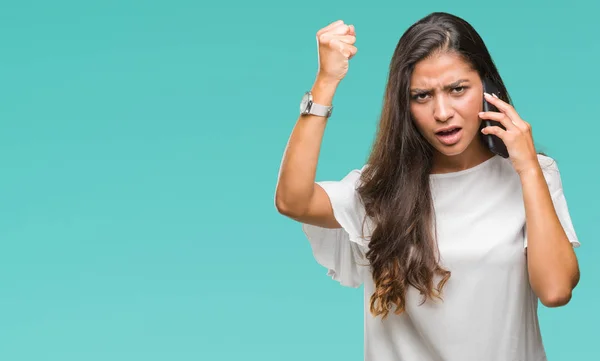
(347, 39)
(503, 107)
(347, 50)
(352, 30)
(341, 29)
(329, 37)
(329, 27)
(499, 117)
(353, 50)
(495, 130)
(518, 122)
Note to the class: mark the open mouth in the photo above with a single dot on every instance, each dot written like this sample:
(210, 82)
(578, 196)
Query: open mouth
(450, 137)
(449, 132)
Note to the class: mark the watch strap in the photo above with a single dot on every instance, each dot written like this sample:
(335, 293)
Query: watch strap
(321, 110)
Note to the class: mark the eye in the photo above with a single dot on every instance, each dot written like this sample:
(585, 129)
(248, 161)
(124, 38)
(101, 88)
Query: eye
(420, 96)
(459, 89)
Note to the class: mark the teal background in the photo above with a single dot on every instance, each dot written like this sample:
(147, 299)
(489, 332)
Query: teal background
(140, 147)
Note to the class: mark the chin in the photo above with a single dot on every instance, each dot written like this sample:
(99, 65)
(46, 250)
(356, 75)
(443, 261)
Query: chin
(451, 151)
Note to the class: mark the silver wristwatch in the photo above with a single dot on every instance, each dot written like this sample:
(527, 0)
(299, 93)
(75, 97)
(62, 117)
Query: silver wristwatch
(307, 106)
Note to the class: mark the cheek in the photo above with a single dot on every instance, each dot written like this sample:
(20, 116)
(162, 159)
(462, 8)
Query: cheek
(418, 116)
(470, 107)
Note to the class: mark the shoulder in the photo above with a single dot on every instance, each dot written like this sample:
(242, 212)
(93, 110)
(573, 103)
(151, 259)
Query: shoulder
(547, 163)
(347, 205)
(351, 180)
(550, 170)
(343, 192)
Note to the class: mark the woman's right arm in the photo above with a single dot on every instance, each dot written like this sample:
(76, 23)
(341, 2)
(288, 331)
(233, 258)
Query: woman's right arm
(297, 195)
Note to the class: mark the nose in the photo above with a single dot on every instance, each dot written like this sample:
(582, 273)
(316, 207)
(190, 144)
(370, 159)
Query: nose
(442, 109)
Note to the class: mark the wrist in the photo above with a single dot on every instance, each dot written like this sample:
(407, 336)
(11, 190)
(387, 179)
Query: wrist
(326, 79)
(323, 90)
(325, 82)
(531, 172)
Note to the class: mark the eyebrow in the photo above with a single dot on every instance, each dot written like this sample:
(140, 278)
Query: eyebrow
(447, 87)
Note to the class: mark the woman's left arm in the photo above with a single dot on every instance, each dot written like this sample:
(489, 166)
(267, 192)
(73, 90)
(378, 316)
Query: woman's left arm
(551, 260)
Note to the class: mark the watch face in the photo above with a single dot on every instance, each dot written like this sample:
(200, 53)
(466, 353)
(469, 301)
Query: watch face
(304, 103)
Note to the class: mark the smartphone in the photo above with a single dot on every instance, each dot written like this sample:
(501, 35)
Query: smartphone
(494, 143)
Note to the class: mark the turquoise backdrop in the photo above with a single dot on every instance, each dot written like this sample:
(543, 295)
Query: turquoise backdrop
(140, 144)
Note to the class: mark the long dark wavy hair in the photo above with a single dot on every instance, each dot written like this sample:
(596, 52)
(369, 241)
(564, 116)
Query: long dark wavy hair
(395, 186)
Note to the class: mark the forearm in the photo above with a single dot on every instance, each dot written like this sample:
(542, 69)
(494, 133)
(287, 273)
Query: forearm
(299, 164)
(551, 260)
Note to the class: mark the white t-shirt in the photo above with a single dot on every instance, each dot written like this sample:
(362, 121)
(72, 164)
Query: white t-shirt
(489, 311)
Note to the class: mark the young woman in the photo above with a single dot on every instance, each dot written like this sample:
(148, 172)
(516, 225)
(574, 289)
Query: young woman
(453, 243)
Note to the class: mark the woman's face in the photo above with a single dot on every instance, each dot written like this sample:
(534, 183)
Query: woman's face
(446, 92)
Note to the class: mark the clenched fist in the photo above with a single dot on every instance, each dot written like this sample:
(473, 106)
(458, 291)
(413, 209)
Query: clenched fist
(335, 49)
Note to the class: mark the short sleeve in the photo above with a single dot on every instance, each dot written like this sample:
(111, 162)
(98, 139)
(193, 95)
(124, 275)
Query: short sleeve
(342, 250)
(553, 179)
